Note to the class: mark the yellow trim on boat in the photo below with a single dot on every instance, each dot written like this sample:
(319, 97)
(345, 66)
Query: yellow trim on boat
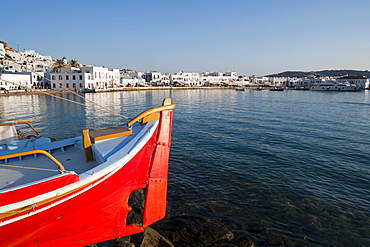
(34, 205)
(51, 157)
(30, 125)
(151, 111)
(108, 133)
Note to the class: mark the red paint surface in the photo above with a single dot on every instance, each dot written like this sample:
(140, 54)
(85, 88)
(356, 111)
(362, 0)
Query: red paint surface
(37, 189)
(100, 213)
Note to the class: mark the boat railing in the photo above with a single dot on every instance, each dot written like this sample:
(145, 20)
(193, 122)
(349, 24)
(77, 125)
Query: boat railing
(31, 152)
(17, 123)
(153, 113)
(149, 115)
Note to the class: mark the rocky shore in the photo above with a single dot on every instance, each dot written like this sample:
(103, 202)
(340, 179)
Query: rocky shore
(180, 230)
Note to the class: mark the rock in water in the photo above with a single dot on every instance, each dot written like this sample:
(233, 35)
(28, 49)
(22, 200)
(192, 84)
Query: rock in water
(150, 238)
(193, 230)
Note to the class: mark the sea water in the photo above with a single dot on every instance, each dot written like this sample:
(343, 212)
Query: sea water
(281, 168)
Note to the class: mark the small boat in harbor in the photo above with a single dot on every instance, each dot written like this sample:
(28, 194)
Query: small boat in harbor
(340, 87)
(75, 192)
(277, 89)
(240, 89)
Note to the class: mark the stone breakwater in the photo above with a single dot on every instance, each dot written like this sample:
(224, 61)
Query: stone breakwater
(180, 230)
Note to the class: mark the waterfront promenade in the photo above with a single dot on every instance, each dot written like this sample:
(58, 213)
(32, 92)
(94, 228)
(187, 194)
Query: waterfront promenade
(50, 91)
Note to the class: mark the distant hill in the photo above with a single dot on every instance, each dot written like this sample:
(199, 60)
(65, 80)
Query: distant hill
(341, 72)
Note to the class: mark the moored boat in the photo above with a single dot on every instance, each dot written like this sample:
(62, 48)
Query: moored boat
(75, 192)
(240, 89)
(328, 86)
(277, 89)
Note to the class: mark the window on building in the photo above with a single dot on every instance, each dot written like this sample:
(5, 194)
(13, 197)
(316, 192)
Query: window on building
(89, 77)
(60, 85)
(60, 77)
(81, 77)
(74, 77)
(80, 85)
(67, 77)
(67, 85)
(54, 85)
(53, 77)
(74, 86)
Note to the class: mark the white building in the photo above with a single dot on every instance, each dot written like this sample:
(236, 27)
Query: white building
(3, 45)
(19, 80)
(129, 78)
(258, 81)
(218, 79)
(88, 77)
(243, 81)
(361, 81)
(27, 61)
(185, 79)
(276, 81)
(2, 49)
(153, 77)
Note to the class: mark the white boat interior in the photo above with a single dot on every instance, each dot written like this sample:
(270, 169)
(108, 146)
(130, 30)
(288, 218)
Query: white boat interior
(35, 167)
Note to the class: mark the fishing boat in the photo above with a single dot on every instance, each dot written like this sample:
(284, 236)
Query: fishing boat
(240, 89)
(75, 192)
(277, 89)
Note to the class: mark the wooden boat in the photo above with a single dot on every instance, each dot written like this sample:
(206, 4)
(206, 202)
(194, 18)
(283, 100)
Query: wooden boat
(277, 89)
(75, 192)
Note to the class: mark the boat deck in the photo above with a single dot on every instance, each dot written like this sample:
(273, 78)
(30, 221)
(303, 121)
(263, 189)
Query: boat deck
(73, 160)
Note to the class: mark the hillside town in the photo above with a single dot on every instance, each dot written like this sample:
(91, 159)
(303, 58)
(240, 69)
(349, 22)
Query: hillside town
(29, 70)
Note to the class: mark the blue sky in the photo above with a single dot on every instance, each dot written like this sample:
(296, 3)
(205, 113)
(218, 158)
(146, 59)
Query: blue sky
(252, 37)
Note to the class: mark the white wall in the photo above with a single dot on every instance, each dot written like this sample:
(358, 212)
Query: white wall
(22, 80)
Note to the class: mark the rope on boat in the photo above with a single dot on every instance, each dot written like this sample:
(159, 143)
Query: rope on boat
(102, 108)
(32, 168)
(33, 206)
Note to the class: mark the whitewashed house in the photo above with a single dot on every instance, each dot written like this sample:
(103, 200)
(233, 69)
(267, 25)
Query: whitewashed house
(132, 78)
(185, 79)
(128, 80)
(153, 77)
(219, 79)
(87, 77)
(26, 61)
(2, 50)
(243, 81)
(19, 80)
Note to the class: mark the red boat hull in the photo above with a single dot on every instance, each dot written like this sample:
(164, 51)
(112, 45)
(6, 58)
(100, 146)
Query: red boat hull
(100, 212)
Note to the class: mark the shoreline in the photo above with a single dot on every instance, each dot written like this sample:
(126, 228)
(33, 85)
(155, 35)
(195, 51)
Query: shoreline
(50, 91)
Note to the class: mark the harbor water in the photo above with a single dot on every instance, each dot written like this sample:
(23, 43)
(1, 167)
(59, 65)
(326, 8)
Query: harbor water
(285, 168)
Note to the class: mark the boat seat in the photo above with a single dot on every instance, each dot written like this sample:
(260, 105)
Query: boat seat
(98, 135)
(113, 132)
